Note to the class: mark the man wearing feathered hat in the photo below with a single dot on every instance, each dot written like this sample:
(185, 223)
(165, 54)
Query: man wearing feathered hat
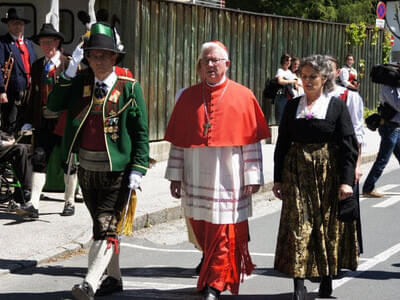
(15, 45)
(107, 126)
(45, 74)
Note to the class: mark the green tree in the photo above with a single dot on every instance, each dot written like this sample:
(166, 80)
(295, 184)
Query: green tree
(343, 11)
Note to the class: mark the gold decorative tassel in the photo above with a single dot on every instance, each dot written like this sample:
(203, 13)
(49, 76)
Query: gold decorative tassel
(125, 225)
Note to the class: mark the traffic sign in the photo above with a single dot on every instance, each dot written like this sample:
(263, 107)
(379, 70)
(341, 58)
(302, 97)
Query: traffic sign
(380, 23)
(381, 10)
(391, 40)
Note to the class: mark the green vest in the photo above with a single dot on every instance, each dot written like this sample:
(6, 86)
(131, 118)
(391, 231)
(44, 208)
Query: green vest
(124, 119)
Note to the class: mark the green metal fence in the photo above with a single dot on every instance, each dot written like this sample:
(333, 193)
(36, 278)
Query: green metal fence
(162, 40)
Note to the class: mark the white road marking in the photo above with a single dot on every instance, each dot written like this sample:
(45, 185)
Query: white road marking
(182, 250)
(262, 254)
(389, 201)
(157, 285)
(159, 249)
(384, 188)
(369, 264)
(387, 187)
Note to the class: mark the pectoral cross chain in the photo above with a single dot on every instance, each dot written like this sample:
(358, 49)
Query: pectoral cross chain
(206, 126)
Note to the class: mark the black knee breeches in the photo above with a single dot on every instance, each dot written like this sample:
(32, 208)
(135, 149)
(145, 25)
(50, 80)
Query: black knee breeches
(105, 195)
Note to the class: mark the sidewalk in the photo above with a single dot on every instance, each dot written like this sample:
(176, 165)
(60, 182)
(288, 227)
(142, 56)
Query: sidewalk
(27, 243)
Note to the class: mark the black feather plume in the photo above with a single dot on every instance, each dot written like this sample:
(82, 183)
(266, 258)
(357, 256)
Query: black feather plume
(114, 20)
(102, 15)
(83, 17)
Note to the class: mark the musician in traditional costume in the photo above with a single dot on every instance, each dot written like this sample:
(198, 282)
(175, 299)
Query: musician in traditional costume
(348, 75)
(14, 45)
(45, 74)
(107, 127)
(215, 164)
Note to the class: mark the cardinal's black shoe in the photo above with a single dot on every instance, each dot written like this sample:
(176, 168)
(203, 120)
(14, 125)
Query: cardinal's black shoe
(211, 293)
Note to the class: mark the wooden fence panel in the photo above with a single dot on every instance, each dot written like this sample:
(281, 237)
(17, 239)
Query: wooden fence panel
(162, 41)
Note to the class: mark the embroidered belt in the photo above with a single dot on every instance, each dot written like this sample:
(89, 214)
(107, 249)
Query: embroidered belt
(94, 160)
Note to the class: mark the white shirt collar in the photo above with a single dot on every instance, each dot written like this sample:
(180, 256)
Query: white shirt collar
(318, 111)
(108, 81)
(15, 37)
(55, 59)
(218, 83)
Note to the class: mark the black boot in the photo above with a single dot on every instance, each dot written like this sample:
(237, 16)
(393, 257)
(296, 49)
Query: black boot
(210, 293)
(325, 287)
(83, 291)
(300, 291)
(109, 286)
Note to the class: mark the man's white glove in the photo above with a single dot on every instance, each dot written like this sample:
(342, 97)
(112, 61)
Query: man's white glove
(26, 127)
(134, 180)
(77, 57)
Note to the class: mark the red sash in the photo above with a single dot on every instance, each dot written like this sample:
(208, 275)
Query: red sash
(25, 58)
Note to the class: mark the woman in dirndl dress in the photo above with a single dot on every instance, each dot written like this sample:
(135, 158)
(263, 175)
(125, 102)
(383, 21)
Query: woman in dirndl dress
(315, 159)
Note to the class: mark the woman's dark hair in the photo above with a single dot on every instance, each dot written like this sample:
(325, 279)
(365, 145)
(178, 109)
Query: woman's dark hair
(285, 57)
(294, 58)
(349, 55)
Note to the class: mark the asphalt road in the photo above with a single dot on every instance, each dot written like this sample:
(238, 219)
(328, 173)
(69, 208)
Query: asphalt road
(158, 262)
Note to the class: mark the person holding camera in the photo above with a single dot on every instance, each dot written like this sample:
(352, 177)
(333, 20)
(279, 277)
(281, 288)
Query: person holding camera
(389, 130)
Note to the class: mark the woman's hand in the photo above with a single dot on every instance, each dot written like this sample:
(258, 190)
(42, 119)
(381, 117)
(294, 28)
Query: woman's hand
(8, 142)
(175, 189)
(251, 189)
(3, 98)
(345, 191)
(276, 189)
(358, 174)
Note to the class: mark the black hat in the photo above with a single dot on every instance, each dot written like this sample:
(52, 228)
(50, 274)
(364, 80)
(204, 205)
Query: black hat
(13, 15)
(48, 30)
(102, 37)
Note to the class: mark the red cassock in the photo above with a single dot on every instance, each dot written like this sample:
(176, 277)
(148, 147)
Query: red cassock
(236, 119)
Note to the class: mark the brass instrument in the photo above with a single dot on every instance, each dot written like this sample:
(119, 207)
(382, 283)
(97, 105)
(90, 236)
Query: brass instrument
(6, 69)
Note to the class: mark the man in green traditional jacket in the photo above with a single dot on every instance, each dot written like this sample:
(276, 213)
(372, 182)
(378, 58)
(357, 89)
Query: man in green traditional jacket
(107, 127)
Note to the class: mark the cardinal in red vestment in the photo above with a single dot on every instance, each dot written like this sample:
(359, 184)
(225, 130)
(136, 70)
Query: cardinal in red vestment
(215, 165)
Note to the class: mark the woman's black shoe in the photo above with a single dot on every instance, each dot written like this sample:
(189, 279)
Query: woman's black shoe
(325, 287)
(300, 294)
(210, 293)
(109, 286)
